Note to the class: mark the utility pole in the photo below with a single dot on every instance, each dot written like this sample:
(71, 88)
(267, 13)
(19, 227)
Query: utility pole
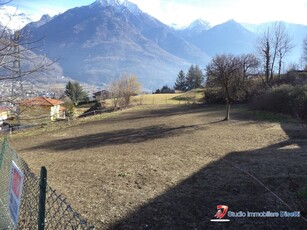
(17, 83)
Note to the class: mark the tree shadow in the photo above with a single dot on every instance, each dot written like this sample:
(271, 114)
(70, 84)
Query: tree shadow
(230, 181)
(165, 111)
(117, 137)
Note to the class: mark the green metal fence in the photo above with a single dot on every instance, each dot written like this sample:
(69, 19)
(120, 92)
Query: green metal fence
(57, 213)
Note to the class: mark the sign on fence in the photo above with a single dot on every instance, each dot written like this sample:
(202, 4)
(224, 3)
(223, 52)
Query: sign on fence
(15, 190)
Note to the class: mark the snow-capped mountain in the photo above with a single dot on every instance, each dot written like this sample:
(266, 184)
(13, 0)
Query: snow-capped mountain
(12, 18)
(228, 37)
(98, 42)
(118, 4)
(44, 19)
(196, 26)
(199, 26)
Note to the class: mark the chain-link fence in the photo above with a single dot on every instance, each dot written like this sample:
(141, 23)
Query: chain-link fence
(58, 213)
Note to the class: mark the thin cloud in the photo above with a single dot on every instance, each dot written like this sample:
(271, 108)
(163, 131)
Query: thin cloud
(219, 11)
(36, 8)
(183, 12)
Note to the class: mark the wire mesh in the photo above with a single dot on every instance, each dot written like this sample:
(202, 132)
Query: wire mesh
(59, 214)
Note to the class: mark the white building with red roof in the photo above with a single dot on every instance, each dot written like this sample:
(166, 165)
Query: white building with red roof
(41, 108)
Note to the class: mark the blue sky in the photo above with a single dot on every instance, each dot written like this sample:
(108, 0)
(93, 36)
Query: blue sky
(182, 12)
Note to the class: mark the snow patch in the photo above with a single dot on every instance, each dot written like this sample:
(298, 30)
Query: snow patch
(12, 18)
(118, 4)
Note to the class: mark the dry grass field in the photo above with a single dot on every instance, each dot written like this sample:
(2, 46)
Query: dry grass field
(169, 166)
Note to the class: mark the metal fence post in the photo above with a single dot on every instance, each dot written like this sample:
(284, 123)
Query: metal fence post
(42, 198)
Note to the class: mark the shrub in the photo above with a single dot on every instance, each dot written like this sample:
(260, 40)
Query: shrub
(253, 90)
(214, 96)
(299, 102)
(69, 109)
(284, 99)
(291, 78)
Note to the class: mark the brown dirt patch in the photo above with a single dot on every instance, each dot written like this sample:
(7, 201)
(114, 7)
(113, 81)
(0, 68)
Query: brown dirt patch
(168, 167)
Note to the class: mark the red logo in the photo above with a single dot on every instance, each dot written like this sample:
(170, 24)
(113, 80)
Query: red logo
(221, 212)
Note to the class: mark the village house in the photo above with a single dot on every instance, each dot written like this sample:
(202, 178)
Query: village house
(4, 114)
(41, 108)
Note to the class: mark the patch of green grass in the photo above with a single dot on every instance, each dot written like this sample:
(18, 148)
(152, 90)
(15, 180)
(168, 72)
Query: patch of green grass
(193, 96)
(122, 174)
(155, 99)
(267, 116)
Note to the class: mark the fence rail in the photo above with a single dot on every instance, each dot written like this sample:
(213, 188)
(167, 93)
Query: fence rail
(58, 213)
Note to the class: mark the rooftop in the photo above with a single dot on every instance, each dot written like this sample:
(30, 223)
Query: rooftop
(41, 101)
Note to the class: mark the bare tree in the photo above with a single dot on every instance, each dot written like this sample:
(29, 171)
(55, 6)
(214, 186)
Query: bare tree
(305, 50)
(115, 92)
(123, 89)
(129, 87)
(284, 44)
(273, 45)
(225, 71)
(264, 50)
(18, 62)
(249, 65)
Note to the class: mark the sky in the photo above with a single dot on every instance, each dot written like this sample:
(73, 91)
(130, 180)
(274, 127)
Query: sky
(183, 12)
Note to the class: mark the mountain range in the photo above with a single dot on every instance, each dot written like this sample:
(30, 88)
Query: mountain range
(99, 42)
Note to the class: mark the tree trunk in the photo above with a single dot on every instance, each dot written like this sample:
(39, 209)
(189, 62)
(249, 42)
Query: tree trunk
(279, 67)
(267, 62)
(227, 111)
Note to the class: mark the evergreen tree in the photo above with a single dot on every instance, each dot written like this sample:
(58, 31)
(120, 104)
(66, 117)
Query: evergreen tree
(190, 78)
(194, 78)
(180, 83)
(199, 77)
(75, 92)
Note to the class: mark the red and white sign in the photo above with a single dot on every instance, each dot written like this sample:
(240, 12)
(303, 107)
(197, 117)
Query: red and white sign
(15, 191)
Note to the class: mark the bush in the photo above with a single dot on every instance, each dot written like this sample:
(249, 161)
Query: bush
(284, 99)
(291, 78)
(253, 90)
(214, 96)
(69, 109)
(299, 102)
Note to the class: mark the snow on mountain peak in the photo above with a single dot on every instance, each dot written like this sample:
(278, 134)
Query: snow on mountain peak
(107, 2)
(12, 18)
(133, 8)
(200, 23)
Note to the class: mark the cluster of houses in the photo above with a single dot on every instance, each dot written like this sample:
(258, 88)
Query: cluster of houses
(38, 108)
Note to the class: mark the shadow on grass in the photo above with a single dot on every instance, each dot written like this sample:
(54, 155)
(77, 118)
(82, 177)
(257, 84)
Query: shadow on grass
(118, 137)
(165, 111)
(192, 203)
(281, 167)
(138, 135)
